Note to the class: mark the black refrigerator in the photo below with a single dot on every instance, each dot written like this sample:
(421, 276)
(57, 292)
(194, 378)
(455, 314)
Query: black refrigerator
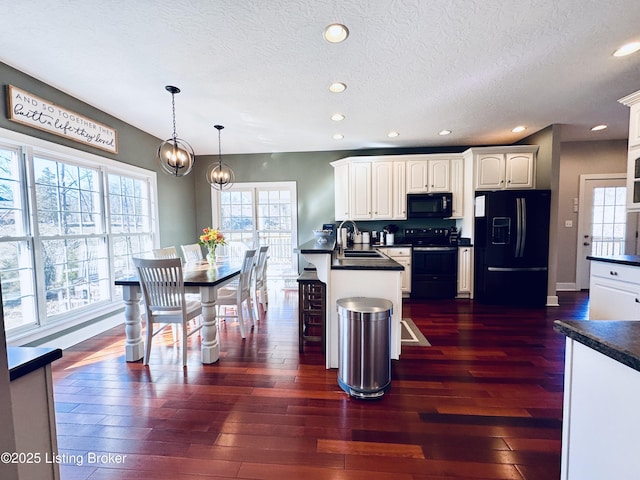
(511, 247)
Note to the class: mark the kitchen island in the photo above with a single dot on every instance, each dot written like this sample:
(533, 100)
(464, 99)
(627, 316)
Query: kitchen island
(355, 277)
(602, 386)
(614, 287)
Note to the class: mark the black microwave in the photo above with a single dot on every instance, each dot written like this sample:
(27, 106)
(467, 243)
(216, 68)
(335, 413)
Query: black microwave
(429, 205)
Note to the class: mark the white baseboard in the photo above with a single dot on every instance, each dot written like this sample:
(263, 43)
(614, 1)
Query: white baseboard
(566, 287)
(552, 301)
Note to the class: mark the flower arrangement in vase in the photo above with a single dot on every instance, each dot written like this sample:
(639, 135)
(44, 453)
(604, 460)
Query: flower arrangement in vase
(211, 239)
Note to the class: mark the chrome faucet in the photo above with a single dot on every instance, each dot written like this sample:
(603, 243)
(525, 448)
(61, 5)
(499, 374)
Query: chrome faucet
(355, 227)
(355, 232)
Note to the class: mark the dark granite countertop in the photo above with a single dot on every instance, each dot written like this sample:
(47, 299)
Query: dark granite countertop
(617, 339)
(328, 247)
(313, 246)
(633, 260)
(24, 360)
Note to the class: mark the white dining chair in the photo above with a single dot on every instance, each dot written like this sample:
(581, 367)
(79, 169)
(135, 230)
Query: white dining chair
(192, 253)
(259, 290)
(166, 252)
(239, 294)
(164, 300)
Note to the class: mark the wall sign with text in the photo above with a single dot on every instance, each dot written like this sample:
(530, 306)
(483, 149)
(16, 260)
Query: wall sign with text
(36, 112)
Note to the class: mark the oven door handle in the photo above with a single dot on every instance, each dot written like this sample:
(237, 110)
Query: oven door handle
(434, 249)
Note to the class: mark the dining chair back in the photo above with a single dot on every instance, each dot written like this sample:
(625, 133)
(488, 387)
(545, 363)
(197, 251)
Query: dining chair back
(166, 252)
(165, 303)
(260, 280)
(239, 294)
(192, 253)
(233, 251)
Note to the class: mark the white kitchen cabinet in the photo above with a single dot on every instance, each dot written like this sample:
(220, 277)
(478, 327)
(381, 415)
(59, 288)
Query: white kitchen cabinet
(633, 164)
(382, 196)
(614, 291)
(370, 188)
(465, 272)
(457, 187)
(402, 255)
(497, 168)
(633, 102)
(360, 191)
(428, 175)
(600, 416)
(341, 190)
(633, 179)
(399, 191)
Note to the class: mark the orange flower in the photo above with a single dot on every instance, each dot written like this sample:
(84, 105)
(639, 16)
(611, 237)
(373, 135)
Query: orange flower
(211, 238)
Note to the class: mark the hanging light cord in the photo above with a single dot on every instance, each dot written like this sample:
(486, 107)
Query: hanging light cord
(173, 110)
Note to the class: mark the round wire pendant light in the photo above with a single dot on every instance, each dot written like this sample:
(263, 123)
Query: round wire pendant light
(175, 156)
(219, 175)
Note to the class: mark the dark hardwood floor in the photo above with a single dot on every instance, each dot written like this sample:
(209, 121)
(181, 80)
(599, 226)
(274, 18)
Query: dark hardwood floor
(483, 402)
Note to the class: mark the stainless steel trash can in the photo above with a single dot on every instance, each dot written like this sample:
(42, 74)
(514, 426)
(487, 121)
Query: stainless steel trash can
(364, 346)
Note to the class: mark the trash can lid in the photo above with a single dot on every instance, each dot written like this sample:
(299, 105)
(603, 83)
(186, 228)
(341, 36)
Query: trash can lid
(365, 304)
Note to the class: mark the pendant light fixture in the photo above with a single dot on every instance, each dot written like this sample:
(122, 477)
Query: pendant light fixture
(219, 175)
(176, 156)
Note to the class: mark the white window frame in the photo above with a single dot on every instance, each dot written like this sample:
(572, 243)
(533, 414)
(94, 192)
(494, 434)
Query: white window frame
(35, 146)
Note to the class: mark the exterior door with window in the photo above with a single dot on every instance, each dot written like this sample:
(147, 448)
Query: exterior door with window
(602, 221)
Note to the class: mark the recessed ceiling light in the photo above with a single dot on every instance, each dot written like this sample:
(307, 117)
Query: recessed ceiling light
(338, 136)
(393, 134)
(336, 33)
(518, 129)
(598, 127)
(337, 87)
(627, 49)
(444, 132)
(337, 117)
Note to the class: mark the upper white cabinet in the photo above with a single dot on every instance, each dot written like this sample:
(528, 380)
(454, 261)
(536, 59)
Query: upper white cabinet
(498, 168)
(457, 187)
(370, 188)
(360, 190)
(341, 190)
(375, 188)
(382, 191)
(633, 102)
(428, 175)
(633, 164)
(399, 190)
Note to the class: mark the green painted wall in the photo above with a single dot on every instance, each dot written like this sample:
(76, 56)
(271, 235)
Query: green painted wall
(135, 147)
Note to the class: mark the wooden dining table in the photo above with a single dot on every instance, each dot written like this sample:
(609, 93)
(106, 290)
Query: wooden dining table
(198, 276)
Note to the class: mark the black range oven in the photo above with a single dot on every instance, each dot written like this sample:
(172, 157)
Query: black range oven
(434, 264)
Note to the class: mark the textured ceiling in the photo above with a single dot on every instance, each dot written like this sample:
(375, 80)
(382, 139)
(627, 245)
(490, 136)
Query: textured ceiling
(262, 68)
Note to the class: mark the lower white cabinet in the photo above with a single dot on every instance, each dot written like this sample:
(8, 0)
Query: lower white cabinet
(402, 255)
(465, 272)
(614, 291)
(600, 416)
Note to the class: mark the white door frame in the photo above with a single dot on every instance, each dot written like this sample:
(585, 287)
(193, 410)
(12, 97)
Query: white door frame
(581, 265)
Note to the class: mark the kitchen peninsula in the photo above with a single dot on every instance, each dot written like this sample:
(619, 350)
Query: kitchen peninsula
(354, 277)
(602, 387)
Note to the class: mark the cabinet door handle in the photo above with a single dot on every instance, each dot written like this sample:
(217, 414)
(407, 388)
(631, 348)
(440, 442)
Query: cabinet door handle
(637, 301)
(611, 272)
